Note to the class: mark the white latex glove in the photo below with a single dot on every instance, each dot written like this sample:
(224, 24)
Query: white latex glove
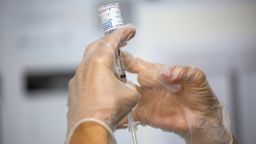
(95, 94)
(179, 99)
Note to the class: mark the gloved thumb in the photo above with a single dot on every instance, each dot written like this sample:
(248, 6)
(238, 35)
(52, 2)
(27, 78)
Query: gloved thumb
(103, 50)
(133, 93)
(137, 65)
(120, 37)
(136, 96)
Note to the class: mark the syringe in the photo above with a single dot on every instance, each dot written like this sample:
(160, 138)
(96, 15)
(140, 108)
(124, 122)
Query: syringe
(111, 20)
(132, 126)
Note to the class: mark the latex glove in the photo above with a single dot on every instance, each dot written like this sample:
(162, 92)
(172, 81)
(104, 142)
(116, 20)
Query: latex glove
(179, 99)
(95, 94)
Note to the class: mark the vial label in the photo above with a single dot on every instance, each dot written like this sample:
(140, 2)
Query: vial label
(110, 17)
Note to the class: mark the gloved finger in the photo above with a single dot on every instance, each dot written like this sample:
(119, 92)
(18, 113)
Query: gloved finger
(134, 94)
(126, 103)
(138, 117)
(122, 123)
(120, 37)
(166, 81)
(138, 89)
(187, 74)
(136, 65)
(149, 78)
(133, 86)
(71, 91)
(181, 75)
(103, 50)
(114, 40)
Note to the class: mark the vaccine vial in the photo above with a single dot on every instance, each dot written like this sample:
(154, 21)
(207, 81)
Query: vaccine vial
(111, 18)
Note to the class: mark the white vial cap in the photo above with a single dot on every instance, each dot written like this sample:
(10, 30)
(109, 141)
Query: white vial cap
(111, 17)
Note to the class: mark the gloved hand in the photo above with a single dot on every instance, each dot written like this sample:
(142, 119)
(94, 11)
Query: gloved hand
(95, 94)
(179, 99)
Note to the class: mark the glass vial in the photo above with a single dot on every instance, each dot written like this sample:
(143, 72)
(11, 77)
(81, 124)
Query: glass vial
(111, 17)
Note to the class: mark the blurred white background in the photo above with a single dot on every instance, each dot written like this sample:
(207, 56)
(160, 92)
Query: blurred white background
(42, 42)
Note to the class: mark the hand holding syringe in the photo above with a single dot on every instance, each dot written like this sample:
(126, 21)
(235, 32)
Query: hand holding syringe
(111, 20)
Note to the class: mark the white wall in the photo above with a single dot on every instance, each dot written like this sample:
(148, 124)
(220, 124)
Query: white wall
(49, 35)
(248, 99)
